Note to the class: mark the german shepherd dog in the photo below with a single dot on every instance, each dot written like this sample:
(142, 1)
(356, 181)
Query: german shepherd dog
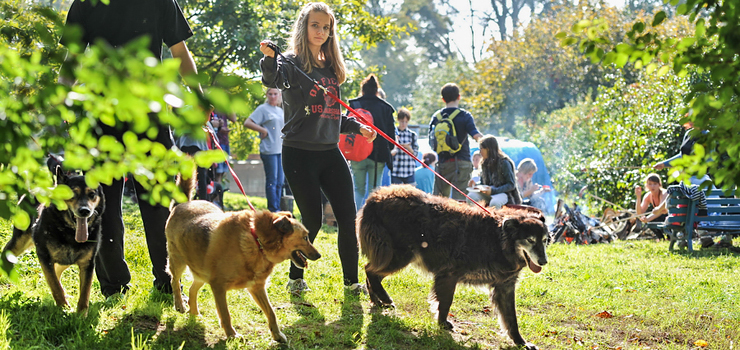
(456, 243)
(231, 250)
(64, 237)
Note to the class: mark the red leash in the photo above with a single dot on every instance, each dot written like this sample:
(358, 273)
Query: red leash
(231, 170)
(381, 133)
(276, 50)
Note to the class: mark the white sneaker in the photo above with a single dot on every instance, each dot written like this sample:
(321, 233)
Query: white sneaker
(297, 286)
(356, 288)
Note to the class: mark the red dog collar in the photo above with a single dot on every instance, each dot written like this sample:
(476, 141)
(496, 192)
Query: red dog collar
(254, 234)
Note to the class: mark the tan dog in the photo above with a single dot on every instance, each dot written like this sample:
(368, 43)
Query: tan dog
(232, 250)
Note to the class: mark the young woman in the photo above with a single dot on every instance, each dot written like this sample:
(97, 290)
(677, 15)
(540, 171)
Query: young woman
(497, 176)
(311, 158)
(652, 201)
(268, 121)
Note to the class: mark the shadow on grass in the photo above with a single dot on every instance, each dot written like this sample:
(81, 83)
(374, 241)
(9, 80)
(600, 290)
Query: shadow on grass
(387, 331)
(312, 331)
(707, 252)
(144, 327)
(37, 323)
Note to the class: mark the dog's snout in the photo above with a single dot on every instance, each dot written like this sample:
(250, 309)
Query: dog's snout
(84, 211)
(542, 261)
(315, 256)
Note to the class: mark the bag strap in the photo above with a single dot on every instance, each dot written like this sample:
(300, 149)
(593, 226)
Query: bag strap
(454, 114)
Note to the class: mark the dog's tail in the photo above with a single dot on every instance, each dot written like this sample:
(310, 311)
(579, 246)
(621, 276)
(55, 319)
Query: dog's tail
(374, 239)
(21, 241)
(187, 186)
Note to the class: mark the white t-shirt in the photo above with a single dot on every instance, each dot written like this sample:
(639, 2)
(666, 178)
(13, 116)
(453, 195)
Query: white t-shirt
(270, 118)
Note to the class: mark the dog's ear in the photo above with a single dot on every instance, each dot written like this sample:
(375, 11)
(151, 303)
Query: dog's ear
(534, 210)
(61, 174)
(541, 216)
(285, 213)
(282, 223)
(54, 163)
(510, 224)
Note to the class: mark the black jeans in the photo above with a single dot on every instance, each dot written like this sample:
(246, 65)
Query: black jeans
(110, 265)
(311, 172)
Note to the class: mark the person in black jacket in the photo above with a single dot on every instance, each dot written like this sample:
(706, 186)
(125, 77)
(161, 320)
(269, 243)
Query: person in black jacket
(367, 174)
(687, 148)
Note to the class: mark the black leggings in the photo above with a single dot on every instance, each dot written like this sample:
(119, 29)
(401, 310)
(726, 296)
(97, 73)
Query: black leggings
(308, 174)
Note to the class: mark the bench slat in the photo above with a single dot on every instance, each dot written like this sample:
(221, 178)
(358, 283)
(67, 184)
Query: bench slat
(723, 201)
(713, 218)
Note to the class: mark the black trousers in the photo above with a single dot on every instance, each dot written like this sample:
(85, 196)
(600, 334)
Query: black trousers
(110, 265)
(308, 174)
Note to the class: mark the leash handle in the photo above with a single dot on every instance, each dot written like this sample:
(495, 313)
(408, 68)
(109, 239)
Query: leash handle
(271, 45)
(275, 48)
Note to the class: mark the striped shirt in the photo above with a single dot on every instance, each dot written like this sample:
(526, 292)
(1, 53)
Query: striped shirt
(403, 164)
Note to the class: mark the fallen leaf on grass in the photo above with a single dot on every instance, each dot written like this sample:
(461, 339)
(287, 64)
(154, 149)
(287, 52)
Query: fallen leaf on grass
(604, 314)
(701, 343)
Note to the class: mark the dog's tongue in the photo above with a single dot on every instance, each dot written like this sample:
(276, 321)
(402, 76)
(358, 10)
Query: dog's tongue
(534, 267)
(81, 234)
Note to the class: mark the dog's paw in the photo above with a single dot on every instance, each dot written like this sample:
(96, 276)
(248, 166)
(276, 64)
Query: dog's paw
(383, 303)
(82, 312)
(280, 337)
(231, 333)
(446, 325)
(530, 346)
(180, 307)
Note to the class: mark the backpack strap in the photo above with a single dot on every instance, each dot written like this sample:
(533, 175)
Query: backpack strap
(454, 114)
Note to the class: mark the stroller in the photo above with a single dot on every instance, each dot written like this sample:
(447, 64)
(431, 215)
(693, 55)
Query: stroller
(206, 184)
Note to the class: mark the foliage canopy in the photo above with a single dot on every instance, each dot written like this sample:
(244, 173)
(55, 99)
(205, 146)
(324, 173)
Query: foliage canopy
(713, 50)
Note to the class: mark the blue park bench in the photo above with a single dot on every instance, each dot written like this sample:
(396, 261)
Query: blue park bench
(722, 218)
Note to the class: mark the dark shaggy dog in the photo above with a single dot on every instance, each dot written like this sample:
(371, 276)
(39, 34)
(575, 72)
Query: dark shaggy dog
(455, 242)
(66, 237)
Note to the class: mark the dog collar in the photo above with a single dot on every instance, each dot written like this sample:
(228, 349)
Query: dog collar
(254, 234)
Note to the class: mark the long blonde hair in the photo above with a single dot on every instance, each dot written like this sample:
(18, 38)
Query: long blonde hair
(332, 54)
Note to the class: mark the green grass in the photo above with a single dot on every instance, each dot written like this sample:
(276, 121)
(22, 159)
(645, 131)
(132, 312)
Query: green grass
(657, 300)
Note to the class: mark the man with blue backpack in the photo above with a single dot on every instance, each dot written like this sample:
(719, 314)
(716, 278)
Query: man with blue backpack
(448, 136)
